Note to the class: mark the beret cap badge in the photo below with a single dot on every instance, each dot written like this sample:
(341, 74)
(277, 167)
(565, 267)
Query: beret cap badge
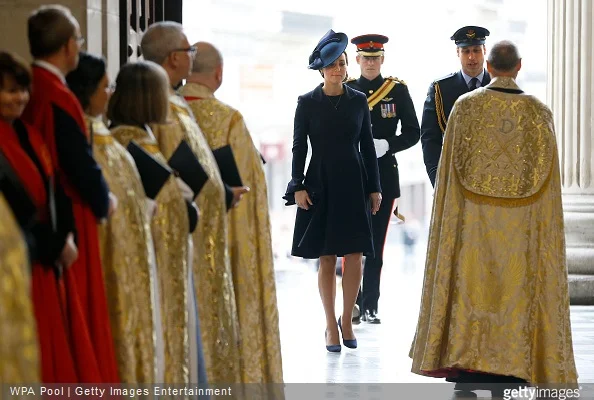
(370, 45)
(470, 36)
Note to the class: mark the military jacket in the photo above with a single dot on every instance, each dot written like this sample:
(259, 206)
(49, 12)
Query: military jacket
(389, 105)
(441, 96)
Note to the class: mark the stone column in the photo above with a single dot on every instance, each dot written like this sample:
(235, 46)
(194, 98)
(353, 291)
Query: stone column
(570, 93)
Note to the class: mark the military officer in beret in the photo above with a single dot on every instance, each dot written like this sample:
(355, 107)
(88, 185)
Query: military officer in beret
(443, 92)
(389, 103)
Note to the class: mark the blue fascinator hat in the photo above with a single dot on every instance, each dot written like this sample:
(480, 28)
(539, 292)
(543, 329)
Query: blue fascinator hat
(329, 48)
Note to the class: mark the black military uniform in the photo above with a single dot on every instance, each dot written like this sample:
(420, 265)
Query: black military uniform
(389, 102)
(441, 97)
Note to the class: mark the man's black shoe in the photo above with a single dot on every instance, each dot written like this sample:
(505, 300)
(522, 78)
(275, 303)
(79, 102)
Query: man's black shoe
(370, 316)
(356, 318)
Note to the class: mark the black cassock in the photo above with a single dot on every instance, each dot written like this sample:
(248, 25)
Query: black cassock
(342, 172)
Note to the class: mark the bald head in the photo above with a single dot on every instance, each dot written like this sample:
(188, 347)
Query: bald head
(207, 68)
(160, 40)
(207, 58)
(504, 59)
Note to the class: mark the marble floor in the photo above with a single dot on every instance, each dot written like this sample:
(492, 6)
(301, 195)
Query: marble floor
(382, 356)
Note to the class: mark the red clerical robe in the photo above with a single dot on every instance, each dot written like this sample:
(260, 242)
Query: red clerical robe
(50, 96)
(57, 310)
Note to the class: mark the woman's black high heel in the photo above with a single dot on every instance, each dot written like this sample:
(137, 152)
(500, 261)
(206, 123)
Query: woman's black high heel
(350, 343)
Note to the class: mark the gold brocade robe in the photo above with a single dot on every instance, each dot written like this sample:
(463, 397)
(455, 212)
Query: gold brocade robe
(126, 247)
(249, 239)
(212, 272)
(19, 349)
(170, 230)
(495, 296)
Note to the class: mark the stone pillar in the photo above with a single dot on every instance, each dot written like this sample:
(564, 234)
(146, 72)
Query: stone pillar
(570, 93)
(99, 24)
(102, 31)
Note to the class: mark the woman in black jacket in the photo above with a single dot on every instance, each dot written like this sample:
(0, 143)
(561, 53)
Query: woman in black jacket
(341, 187)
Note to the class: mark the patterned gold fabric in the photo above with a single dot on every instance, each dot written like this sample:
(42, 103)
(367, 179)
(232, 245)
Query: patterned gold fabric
(495, 295)
(126, 245)
(492, 159)
(170, 230)
(19, 352)
(249, 240)
(212, 272)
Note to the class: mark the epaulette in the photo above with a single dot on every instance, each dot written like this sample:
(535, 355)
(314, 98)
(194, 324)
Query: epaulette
(448, 76)
(393, 78)
(351, 79)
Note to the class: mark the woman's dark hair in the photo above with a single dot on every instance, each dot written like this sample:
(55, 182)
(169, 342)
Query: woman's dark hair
(85, 79)
(346, 57)
(14, 67)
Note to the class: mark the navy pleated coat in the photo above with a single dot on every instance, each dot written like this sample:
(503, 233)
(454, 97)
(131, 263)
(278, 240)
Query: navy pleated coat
(342, 172)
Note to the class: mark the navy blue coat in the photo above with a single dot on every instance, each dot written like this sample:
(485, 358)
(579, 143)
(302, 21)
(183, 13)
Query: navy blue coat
(342, 172)
(435, 116)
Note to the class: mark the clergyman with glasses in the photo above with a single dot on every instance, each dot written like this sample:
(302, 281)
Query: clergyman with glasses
(166, 44)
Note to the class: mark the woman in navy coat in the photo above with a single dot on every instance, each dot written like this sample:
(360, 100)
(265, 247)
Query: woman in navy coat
(341, 187)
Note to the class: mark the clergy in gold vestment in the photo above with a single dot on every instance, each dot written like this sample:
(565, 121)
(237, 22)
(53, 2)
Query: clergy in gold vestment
(125, 240)
(166, 44)
(141, 97)
(127, 255)
(495, 296)
(249, 223)
(19, 359)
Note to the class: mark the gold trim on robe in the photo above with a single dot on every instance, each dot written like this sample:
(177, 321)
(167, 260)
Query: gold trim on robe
(250, 241)
(212, 271)
(19, 349)
(170, 230)
(126, 247)
(495, 294)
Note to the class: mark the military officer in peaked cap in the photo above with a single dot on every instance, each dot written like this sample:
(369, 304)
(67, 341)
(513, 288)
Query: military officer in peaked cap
(389, 103)
(443, 92)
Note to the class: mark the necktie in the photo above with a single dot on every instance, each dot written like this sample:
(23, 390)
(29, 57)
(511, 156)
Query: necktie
(473, 84)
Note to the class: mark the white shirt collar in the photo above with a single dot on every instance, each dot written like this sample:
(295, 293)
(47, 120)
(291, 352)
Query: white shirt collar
(149, 131)
(99, 127)
(177, 99)
(480, 76)
(51, 68)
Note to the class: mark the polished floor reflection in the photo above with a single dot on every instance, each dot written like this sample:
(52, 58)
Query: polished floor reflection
(382, 355)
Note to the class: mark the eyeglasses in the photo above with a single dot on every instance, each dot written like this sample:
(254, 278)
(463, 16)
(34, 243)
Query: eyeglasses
(190, 50)
(79, 40)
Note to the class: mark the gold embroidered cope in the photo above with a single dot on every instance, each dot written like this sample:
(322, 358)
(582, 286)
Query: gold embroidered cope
(126, 246)
(170, 230)
(212, 271)
(19, 351)
(495, 295)
(250, 241)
